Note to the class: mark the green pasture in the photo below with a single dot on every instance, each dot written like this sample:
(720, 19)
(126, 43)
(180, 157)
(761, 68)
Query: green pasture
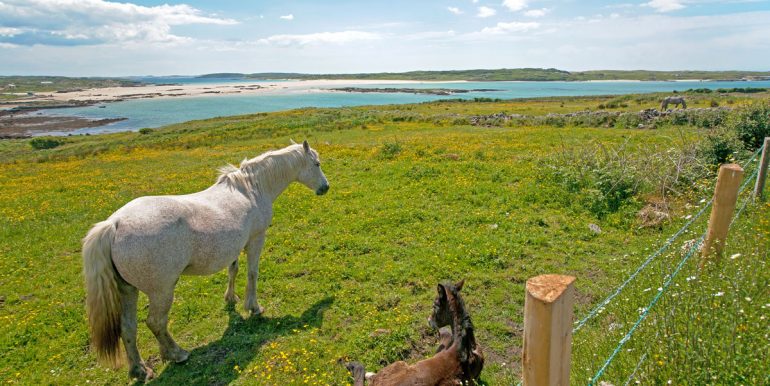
(417, 196)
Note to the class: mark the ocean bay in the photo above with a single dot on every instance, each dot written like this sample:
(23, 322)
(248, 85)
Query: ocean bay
(157, 112)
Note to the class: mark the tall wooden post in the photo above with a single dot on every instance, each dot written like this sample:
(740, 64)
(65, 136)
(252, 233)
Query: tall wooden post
(548, 330)
(725, 197)
(762, 170)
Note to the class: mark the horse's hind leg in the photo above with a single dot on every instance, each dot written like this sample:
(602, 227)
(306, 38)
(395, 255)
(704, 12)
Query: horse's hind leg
(128, 297)
(232, 272)
(157, 320)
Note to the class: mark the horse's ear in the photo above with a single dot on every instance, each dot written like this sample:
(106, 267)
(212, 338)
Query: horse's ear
(306, 146)
(441, 290)
(459, 285)
(292, 141)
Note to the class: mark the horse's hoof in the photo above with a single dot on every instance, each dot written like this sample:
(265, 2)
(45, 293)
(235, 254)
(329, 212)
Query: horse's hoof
(141, 372)
(177, 356)
(181, 356)
(256, 312)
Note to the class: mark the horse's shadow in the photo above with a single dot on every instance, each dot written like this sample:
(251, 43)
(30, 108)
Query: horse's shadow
(219, 362)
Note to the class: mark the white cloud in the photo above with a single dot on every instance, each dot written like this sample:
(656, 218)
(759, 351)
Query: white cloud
(288, 17)
(537, 12)
(75, 22)
(515, 5)
(486, 12)
(7, 31)
(665, 5)
(320, 37)
(455, 10)
(429, 35)
(507, 28)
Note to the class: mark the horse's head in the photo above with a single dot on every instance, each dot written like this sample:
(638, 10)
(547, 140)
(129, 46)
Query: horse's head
(442, 313)
(311, 175)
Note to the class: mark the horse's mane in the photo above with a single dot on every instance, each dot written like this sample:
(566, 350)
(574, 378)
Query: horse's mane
(465, 331)
(256, 173)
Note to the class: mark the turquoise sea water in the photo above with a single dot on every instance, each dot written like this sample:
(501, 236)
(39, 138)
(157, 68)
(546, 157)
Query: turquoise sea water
(163, 111)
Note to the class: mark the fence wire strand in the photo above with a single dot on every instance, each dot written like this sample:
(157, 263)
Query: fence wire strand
(596, 310)
(668, 282)
(647, 309)
(638, 365)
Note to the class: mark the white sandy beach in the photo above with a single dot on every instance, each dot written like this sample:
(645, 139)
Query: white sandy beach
(111, 94)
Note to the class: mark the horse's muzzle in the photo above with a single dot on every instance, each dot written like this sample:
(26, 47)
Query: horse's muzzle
(322, 190)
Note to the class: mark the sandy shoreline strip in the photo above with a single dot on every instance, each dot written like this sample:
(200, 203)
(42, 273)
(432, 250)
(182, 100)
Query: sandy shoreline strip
(115, 94)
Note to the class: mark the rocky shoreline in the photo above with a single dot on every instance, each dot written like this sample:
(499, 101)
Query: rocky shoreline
(14, 126)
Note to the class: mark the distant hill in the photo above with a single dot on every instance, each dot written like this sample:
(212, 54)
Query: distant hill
(521, 74)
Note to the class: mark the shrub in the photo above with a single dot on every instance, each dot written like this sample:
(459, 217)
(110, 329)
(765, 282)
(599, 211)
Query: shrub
(719, 146)
(390, 149)
(742, 90)
(45, 143)
(145, 130)
(628, 121)
(751, 124)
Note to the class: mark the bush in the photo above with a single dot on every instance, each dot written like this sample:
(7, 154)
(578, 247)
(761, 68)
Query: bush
(742, 90)
(719, 146)
(145, 130)
(751, 124)
(45, 143)
(390, 150)
(613, 179)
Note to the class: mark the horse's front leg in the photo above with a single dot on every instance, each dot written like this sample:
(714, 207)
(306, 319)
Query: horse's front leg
(253, 250)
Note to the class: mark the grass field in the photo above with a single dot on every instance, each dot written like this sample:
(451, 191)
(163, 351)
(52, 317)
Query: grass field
(417, 197)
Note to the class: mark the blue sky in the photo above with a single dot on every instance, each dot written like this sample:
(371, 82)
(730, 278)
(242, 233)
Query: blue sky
(106, 38)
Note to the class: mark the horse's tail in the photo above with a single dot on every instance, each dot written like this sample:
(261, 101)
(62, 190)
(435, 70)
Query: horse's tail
(102, 294)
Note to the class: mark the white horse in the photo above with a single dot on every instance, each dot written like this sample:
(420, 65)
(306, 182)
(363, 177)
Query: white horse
(676, 101)
(148, 243)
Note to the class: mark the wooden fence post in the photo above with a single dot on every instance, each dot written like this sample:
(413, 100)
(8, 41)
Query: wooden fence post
(763, 161)
(548, 330)
(725, 197)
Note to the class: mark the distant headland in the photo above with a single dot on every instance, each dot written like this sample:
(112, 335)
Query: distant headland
(513, 74)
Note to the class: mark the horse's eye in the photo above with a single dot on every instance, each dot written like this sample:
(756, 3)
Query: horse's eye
(318, 164)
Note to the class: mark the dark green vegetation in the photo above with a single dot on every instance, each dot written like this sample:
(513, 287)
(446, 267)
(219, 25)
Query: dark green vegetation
(522, 74)
(23, 84)
(744, 90)
(432, 91)
(418, 195)
(45, 143)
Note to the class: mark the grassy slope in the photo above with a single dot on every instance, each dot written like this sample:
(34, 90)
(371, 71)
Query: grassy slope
(33, 83)
(412, 202)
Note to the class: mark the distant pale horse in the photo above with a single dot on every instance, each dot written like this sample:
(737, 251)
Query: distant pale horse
(676, 101)
(150, 242)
